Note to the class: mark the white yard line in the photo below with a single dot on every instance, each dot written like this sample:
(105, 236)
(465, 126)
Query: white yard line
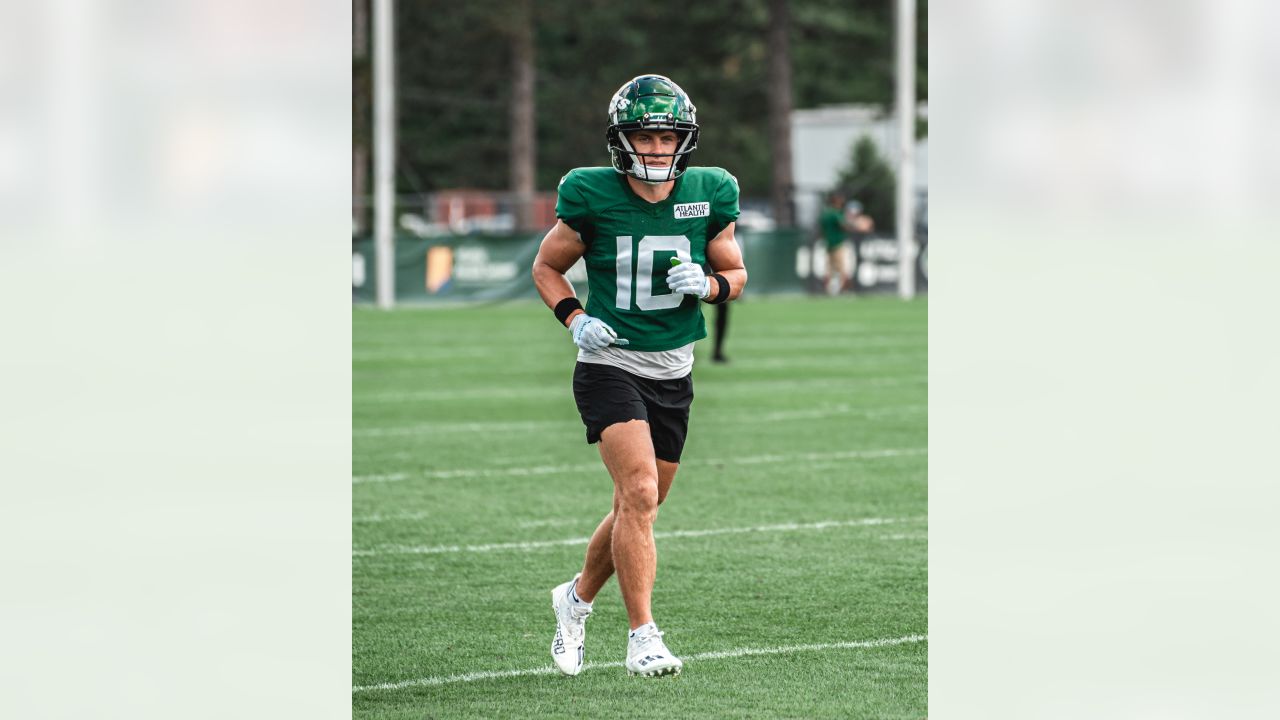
(446, 426)
(388, 477)
(813, 456)
(482, 472)
(827, 333)
(564, 390)
(828, 363)
(716, 655)
(822, 411)
(539, 544)
(827, 411)
(549, 522)
(457, 353)
(478, 393)
(378, 517)
(810, 340)
(524, 471)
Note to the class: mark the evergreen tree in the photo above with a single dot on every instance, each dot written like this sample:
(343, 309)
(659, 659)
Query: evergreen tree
(454, 65)
(869, 179)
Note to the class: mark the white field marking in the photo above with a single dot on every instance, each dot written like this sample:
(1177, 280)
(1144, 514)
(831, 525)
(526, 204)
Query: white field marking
(378, 517)
(461, 353)
(812, 457)
(834, 410)
(475, 393)
(851, 343)
(824, 362)
(549, 522)
(539, 544)
(518, 471)
(564, 390)
(812, 338)
(525, 471)
(902, 536)
(382, 456)
(400, 349)
(444, 426)
(388, 477)
(441, 549)
(819, 334)
(715, 655)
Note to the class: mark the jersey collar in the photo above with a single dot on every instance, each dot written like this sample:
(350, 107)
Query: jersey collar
(637, 200)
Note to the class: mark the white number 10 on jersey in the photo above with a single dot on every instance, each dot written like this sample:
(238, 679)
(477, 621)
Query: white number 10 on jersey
(642, 276)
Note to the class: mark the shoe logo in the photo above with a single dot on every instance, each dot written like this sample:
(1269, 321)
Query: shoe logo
(557, 647)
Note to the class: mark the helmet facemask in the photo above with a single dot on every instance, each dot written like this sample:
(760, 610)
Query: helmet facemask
(640, 166)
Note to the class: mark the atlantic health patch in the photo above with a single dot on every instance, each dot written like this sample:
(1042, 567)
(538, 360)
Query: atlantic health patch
(693, 210)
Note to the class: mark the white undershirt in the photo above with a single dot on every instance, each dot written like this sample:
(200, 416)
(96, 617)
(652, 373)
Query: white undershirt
(663, 365)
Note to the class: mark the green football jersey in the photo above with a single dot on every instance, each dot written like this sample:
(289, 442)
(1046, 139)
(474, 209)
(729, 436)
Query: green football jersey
(630, 243)
(832, 223)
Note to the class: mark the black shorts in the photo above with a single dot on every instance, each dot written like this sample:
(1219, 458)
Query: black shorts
(608, 395)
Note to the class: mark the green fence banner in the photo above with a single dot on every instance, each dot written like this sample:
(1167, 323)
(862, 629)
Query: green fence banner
(490, 268)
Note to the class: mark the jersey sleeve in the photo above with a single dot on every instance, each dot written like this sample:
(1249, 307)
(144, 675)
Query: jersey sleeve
(571, 204)
(724, 204)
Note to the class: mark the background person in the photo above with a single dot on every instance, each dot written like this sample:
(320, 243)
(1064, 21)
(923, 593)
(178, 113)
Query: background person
(833, 229)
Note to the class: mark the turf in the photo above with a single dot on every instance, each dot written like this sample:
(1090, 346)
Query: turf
(469, 463)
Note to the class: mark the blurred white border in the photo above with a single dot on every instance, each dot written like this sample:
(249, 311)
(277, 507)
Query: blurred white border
(1102, 388)
(174, 206)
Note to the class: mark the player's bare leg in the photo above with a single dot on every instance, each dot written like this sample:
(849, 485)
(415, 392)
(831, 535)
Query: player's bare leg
(571, 601)
(627, 451)
(835, 273)
(598, 567)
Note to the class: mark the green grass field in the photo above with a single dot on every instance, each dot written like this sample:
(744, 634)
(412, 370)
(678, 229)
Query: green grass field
(798, 518)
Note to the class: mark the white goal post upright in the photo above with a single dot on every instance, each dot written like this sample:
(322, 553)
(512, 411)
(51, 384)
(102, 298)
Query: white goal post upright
(906, 101)
(384, 157)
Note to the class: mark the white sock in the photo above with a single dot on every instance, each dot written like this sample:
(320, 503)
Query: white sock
(642, 627)
(573, 595)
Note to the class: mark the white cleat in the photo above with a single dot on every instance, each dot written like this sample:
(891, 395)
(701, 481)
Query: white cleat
(571, 628)
(648, 656)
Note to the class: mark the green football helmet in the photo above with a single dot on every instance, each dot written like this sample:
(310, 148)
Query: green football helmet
(651, 102)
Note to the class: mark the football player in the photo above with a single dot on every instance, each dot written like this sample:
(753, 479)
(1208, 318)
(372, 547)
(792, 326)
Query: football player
(657, 239)
(835, 232)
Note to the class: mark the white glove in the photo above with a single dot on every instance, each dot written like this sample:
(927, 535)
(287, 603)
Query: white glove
(689, 279)
(593, 333)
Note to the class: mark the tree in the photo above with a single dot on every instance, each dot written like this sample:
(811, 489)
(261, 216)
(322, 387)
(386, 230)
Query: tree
(458, 90)
(453, 73)
(869, 179)
(361, 104)
(523, 140)
(780, 185)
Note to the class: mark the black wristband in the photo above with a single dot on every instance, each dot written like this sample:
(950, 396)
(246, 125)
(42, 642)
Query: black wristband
(565, 308)
(722, 294)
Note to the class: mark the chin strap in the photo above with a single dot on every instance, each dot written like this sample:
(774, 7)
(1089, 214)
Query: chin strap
(647, 180)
